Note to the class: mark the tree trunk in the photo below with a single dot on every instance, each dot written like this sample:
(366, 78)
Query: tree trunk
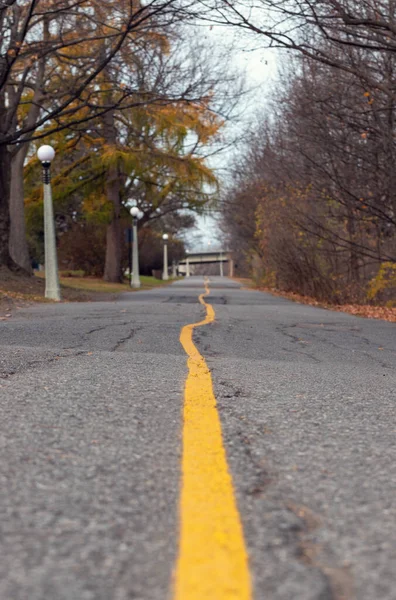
(5, 178)
(353, 255)
(113, 267)
(113, 270)
(18, 243)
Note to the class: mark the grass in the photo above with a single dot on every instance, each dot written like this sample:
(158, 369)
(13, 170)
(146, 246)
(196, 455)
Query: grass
(17, 290)
(97, 285)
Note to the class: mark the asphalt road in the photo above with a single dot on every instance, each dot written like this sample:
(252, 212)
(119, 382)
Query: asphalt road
(91, 399)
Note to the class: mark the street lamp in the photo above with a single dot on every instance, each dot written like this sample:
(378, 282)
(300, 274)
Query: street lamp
(187, 265)
(221, 264)
(46, 155)
(135, 280)
(165, 275)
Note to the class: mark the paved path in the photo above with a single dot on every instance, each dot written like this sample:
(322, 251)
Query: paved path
(91, 436)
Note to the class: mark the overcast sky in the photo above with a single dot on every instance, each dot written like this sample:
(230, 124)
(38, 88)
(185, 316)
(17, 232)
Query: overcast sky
(259, 67)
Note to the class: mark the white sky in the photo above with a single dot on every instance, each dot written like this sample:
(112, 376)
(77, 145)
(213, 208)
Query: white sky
(259, 66)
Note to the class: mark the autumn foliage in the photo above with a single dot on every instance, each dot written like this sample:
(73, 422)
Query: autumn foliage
(130, 105)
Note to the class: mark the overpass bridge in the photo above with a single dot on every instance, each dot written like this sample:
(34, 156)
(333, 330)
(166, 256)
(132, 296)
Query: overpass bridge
(186, 265)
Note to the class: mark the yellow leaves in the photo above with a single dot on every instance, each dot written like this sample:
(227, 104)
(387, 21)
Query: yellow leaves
(25, 105)
(97, 206)
(384, 280)
(176, 120)
(111, 154)
(165, 150)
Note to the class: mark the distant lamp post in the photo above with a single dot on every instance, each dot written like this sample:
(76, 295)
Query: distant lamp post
(46, 155)
(221, 264)
(165, 275)
(135, 279)
(187, 265)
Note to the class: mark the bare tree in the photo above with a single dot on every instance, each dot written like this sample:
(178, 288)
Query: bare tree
(322, 182)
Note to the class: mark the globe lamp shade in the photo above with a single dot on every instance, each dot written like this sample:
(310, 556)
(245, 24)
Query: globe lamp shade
(46, 154)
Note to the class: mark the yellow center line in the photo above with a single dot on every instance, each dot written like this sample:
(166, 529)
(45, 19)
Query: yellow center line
(213, 561)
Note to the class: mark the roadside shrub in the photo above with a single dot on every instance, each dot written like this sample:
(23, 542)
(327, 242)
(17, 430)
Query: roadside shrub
(383, 284)
(83, 248)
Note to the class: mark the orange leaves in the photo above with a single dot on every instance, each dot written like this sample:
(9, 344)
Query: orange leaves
(179, 119)
(369, 97)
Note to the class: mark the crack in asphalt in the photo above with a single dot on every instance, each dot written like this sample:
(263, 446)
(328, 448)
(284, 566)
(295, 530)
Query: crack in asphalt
(261, 475)
(295, 340)
(381, 363)
(295, 523)
(315, 337)
(84, 335)
(125, 339)
(338, 581)
(108, 326)
(36, 363)
(6, 374)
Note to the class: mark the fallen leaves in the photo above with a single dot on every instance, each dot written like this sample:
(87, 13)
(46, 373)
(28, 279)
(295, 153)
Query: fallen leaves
(370, 312)
(359, 310)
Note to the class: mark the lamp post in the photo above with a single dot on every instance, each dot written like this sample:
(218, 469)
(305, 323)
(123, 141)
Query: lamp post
(135, 279)
(165, 275)
(187, 265)
(46, 155)
(129, 240)
(221, 264)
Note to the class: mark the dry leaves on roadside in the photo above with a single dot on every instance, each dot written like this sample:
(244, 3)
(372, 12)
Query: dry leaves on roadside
(370, 312)
(359, 310)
